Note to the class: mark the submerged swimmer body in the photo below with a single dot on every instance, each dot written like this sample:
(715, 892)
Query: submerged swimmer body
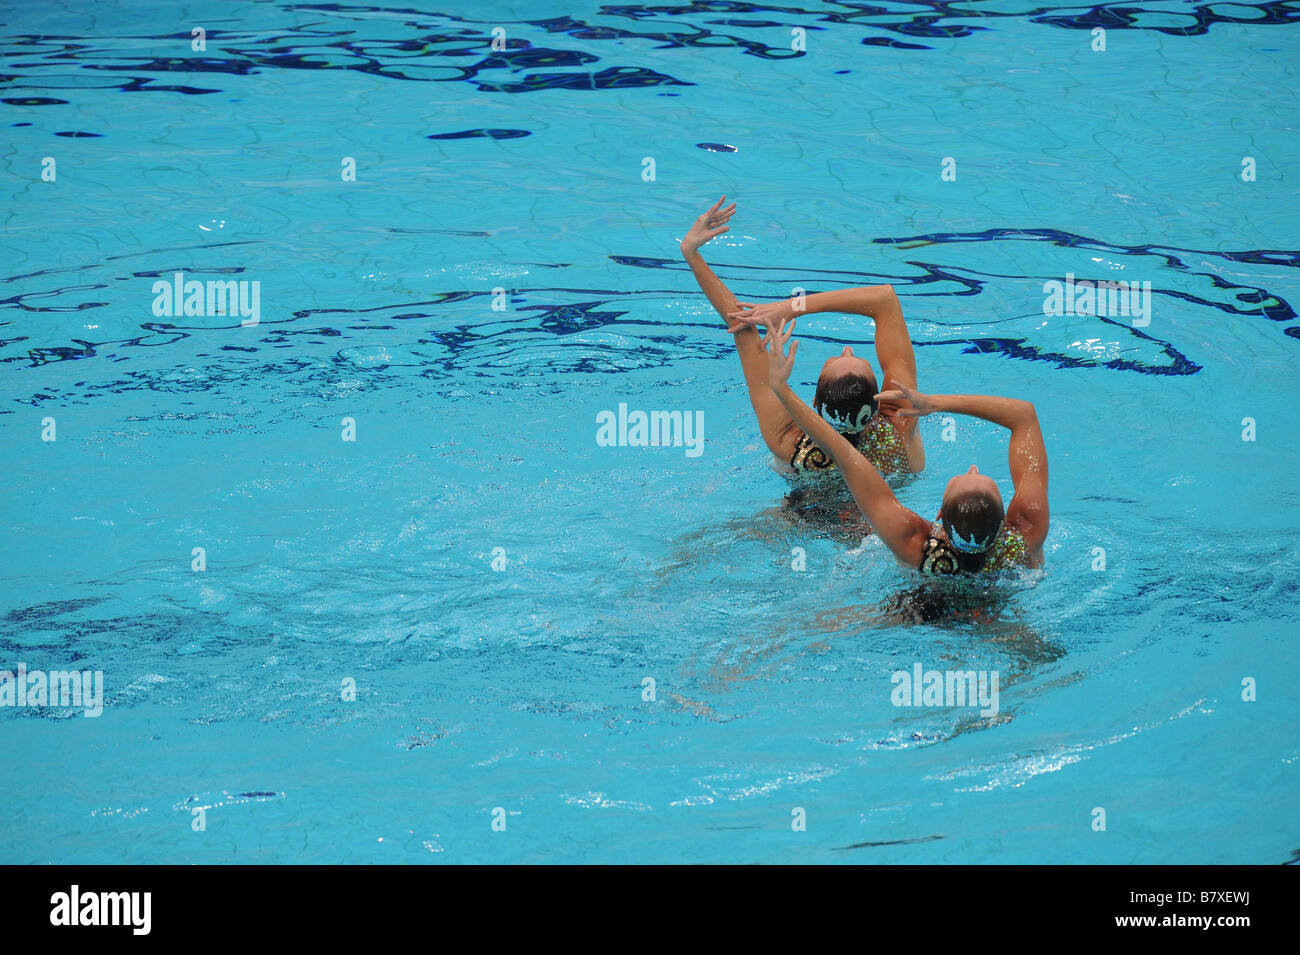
(846, 388)
(972, 533)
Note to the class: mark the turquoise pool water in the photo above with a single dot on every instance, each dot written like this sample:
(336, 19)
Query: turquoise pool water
(516, 694)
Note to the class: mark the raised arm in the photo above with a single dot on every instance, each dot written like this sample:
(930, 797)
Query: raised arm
(1026, 453)
(878, 302)
(894, 351)
(777, 428)
(903, 531)
(881, 305)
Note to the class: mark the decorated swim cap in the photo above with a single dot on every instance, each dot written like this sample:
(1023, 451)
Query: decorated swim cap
(969, 545)
(843, 424)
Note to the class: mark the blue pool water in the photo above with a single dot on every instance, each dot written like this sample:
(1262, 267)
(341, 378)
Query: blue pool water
(517, 693)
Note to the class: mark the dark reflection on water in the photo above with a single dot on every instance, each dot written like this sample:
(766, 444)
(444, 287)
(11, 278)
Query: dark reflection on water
(599, 308)
(442, 47)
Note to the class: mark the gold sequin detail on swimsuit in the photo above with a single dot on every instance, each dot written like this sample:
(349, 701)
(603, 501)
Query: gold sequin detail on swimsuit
(880, 443)
(940, 558)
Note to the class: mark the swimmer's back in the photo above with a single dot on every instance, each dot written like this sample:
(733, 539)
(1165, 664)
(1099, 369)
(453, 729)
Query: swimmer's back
(880, 442)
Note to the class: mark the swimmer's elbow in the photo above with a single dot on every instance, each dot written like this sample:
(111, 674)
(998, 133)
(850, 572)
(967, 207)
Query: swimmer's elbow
(1028, 414)
(782, 439)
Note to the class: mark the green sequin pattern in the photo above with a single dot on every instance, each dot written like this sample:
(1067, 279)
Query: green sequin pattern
(1008, 551)
(940, 559)
(880, 443)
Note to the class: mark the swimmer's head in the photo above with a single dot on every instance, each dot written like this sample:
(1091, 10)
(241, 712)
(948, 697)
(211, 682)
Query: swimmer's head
(972, 512)
(846, 392)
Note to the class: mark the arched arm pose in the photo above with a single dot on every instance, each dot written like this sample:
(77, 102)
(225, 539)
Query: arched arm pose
(972, 532)
(846, 386)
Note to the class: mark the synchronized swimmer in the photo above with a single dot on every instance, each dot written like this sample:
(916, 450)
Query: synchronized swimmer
(846, 387)
(865, 434)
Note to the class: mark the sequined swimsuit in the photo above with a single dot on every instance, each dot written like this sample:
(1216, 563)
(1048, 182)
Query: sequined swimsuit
(880, 443)
(940, 558)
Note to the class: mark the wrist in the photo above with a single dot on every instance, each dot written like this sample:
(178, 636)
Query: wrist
(811, 303)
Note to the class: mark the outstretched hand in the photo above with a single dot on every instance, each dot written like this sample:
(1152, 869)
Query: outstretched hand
(905, 401)
(709, 225)
(779, 364)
